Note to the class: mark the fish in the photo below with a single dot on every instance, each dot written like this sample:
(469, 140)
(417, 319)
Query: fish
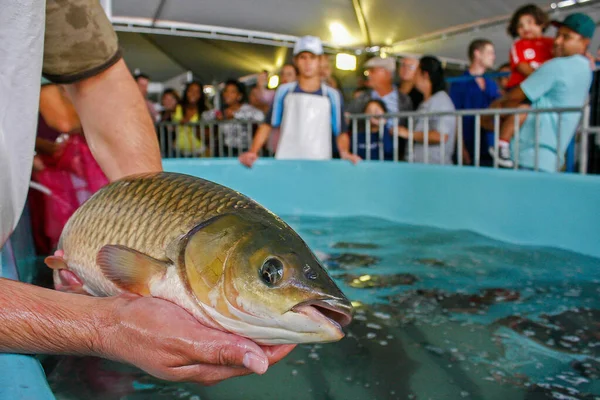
(230, 262)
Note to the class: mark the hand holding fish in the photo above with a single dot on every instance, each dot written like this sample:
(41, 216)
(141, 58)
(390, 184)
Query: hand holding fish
(169, 343)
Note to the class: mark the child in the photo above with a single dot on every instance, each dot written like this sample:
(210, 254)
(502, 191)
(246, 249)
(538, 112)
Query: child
(528, 52)
(385, 141)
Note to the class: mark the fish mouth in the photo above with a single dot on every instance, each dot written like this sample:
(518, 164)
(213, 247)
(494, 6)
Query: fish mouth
(337, 311)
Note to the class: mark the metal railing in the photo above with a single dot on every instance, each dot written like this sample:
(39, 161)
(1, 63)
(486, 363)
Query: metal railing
(232, 137)
(206, 138)
(583, 131)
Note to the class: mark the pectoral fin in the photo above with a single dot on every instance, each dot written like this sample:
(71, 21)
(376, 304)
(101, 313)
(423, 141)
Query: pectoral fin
(129, 269)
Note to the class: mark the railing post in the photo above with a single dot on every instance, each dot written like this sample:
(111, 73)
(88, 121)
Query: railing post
(517, 140)
(496, 138)
(537, 141)
(395, 138)
(354, 136)
(381, 131)
(477, 139)
(585, 124)
(558, 148)
(459, 126)
(426, 139)
(368, 139)
(411, 143)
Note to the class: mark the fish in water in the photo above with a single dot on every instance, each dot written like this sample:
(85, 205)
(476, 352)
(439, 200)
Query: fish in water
(224, 258)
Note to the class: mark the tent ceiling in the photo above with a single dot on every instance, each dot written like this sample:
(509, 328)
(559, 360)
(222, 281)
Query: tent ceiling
(389, 22)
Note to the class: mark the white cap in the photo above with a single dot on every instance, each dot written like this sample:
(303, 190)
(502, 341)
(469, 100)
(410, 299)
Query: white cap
(386, 63)
(312, 44)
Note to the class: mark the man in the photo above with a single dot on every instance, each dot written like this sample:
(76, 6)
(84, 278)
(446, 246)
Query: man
(152, 334)
(476, 92)
(407, 72)
(559, 83)
(307, 111)
(142, 81)
(381, 73)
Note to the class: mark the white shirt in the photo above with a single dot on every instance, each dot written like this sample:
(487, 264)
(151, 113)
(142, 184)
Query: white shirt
(21, 51)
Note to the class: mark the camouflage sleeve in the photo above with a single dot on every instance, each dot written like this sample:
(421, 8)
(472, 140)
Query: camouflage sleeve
(79, 42)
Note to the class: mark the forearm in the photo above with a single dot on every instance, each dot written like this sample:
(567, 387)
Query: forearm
(343, 143)
(262, 134)
(525, 69)
(433, 137)
(57, 110)
(116, 122)
(38, 320)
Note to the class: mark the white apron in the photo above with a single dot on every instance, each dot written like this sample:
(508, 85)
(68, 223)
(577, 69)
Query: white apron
(305, 127)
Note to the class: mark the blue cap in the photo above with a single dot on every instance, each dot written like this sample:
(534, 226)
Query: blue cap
(579, 23)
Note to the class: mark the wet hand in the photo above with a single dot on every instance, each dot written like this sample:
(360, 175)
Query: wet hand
(248, 158)
(167, 342)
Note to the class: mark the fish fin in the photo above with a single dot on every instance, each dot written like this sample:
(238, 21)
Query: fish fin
(129, 269)
(55, 262)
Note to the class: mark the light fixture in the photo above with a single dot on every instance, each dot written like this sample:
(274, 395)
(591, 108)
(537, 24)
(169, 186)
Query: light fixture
(566, 3)
(345, 62)
(273, 81)
(340, 34)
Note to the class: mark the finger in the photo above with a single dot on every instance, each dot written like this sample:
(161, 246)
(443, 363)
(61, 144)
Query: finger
(225, 349)
(208, 375)
(276, 353)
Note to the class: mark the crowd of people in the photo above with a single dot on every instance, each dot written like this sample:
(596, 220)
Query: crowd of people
(308, 88)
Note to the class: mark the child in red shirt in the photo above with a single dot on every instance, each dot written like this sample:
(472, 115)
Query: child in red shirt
(531, 49)
(528, 52)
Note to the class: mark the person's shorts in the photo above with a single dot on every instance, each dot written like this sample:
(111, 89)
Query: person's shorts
(79, 40)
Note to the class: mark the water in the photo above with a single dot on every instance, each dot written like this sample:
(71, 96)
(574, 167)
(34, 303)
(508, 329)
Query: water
(439, 315)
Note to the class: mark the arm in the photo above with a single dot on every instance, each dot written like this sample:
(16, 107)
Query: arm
(511, 99)
(260, 138)
(434, 137)
(37, 320)
(57, 110)
(524, 68)
(343, 144)
(116, 122)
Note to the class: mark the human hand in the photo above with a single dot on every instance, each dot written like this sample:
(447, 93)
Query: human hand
(403, 132)
(248, 158)
(353, 158)
(167, 342)
(229, 113)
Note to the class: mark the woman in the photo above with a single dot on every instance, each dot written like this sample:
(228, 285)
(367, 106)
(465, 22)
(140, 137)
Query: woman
(429, 80)
(192, 106)
(236, 137)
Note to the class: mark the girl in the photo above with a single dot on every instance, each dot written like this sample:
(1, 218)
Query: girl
(192, 105)
(378, 140)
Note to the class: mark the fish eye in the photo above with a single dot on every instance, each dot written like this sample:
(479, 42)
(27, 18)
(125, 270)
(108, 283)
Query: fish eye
(271, 271)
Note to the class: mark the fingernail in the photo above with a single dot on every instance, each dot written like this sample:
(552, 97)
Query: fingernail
(255, 363)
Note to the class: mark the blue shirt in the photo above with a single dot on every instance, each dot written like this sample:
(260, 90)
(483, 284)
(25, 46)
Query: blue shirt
(376, 143)
(467, 95)
(560, 82)
(275, 115)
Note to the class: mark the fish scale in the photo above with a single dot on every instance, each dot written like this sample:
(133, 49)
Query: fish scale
(145, 214)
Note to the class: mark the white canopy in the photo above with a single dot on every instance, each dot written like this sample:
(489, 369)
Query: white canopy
(232, 38)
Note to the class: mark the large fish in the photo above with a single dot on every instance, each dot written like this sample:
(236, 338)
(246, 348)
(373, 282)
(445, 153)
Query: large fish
(228, 261)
